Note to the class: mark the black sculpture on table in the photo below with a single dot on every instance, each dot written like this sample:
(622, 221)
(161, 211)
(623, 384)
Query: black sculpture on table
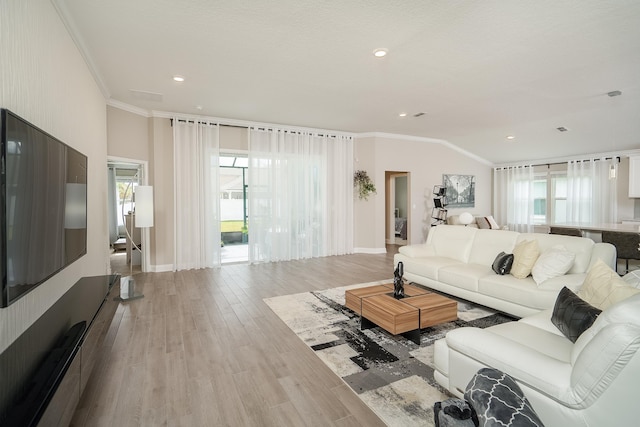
(398, 282)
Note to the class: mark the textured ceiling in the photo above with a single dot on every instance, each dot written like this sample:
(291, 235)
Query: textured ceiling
(479, 70)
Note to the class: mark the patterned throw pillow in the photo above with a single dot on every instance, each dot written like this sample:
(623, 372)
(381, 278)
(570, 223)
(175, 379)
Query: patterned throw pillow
(572, 315)
(525, 255)
(603, 287)
(498, 400)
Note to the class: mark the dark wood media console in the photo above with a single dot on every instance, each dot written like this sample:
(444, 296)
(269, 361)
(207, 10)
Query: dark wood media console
(44, 372)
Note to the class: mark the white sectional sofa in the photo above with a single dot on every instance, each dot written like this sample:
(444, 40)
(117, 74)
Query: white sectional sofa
(591, 382)
(457, 260)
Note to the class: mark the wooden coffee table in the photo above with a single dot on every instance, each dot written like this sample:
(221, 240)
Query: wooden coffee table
(407, 316)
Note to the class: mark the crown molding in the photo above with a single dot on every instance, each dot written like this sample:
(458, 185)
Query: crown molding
(424, 139)
(61, 8)
(130, 108)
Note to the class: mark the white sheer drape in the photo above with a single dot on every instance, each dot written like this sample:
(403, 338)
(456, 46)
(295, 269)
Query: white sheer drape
(591, 195)
(513, 197)
(196, 195)
(300, 195)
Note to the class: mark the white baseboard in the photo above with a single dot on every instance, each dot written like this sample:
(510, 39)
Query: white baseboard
(160, 268)
(369, 250)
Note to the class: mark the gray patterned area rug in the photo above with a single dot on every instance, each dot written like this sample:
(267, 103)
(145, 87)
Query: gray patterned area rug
(391, 374)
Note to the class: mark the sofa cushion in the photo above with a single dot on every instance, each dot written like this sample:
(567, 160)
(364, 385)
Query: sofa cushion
(427, 267)
(489, 243)
(603, 287)
(451, 241)
(571, 281)
(625, 313)
(502, 264)
(541, 340)
(525, 255)
(523, 292)
(572, 315)
(552, 263)
(580, 246)
(464, 276)
(542, 320)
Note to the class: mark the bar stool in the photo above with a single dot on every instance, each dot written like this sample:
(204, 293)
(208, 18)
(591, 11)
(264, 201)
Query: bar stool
(626, 245)
(566, 231)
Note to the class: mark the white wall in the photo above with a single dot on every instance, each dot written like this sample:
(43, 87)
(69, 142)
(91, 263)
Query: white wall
(44, 79)
(426, 161)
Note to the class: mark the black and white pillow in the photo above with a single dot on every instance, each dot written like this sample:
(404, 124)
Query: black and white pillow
(498, 401)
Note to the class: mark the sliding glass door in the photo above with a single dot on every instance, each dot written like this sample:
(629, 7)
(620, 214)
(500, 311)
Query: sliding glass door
(234, 217)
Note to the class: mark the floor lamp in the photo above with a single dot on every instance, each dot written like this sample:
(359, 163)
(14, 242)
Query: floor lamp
(143, 218)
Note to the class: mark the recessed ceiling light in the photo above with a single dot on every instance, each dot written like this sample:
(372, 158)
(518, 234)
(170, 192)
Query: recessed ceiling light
(510, 137)
(403, 114)
(379, 53)
(178, 78)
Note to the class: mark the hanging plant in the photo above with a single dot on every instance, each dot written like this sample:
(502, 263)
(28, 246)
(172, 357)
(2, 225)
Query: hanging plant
(363, 184)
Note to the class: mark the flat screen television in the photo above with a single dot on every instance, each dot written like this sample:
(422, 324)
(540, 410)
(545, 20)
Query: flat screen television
(43, 206)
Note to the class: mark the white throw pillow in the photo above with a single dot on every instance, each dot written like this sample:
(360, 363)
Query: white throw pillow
(553, 262)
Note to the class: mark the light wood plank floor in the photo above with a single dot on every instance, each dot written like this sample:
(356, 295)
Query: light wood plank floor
(203, 349)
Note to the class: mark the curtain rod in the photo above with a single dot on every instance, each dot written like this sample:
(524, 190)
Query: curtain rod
(585, 160)
(561, 163)
(299, 132)
(193, 121)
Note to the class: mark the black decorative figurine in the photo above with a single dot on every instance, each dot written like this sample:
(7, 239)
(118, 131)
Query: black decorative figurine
(398, 282)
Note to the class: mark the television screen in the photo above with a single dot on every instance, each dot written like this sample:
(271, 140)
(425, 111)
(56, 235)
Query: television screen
(43, 215)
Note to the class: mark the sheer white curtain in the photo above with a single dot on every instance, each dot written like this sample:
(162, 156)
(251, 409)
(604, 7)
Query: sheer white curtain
(513, 197)
(591, 195)
(300, 195)
(196, 194)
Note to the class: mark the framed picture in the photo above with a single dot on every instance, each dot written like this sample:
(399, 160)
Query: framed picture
(461, 191)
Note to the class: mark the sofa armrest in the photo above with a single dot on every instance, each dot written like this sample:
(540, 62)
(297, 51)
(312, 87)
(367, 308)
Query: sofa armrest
(546, 374)
(604, 251)
(417, 251)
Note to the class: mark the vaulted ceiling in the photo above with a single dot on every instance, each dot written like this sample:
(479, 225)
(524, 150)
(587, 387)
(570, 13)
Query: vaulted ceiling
(479, 71)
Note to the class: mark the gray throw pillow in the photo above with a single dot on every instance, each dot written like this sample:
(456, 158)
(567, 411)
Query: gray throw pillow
(502, 264)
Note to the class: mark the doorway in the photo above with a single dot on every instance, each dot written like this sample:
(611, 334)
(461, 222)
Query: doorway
(126, 242)
(234, 208)
(397, 203)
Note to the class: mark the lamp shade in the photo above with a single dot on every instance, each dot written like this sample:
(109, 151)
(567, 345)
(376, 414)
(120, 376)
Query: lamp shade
(465, 218)
(144, 206)
(75, 209)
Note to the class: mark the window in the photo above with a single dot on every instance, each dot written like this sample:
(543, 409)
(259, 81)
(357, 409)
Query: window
(550, 197)
(540, 201)
(559, 192)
